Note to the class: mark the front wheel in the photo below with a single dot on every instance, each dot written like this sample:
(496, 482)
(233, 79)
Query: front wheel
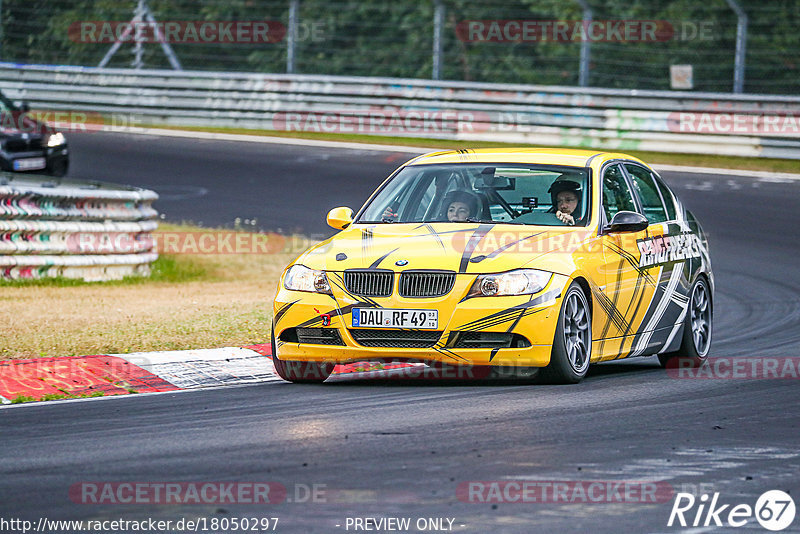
(572, 344)
(300, 372)
(696, 340)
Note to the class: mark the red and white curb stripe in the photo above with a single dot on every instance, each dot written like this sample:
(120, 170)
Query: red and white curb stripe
(147, 372)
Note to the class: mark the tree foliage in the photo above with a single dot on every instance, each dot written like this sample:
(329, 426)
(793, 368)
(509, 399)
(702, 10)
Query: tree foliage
(376, 38)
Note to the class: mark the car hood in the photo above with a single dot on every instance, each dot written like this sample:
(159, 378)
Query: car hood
(460, 247)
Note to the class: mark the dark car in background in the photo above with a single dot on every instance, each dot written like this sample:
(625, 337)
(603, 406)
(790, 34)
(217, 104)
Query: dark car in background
(30, 145)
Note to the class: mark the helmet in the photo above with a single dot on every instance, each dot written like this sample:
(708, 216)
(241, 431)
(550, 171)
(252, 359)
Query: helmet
(563, 183)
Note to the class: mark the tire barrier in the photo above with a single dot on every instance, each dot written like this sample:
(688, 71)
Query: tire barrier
(88, 99)
(86, 230)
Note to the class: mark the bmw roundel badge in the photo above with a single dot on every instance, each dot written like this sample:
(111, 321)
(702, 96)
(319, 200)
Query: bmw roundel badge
(401, 263)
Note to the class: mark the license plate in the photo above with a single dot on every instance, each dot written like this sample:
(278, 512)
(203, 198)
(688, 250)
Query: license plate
(389, 318)
(29, 164)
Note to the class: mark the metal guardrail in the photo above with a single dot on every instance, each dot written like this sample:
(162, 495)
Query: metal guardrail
(662, 121)
(74, 229)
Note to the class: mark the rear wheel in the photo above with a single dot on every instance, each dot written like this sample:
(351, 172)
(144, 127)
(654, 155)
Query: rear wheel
(572, 344)
(696, 340)
(300, 372)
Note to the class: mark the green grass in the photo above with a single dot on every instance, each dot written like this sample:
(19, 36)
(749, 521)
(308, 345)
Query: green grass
(164, 269)
(695, 160)
(20, 399)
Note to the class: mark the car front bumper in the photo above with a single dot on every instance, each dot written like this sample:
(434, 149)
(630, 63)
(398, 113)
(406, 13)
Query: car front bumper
(531, 317)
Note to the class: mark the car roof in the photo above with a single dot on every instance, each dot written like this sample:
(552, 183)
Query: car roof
(546, 156)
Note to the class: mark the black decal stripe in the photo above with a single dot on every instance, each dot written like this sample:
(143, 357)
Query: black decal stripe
(631, 259)
(500, 321)
(613, 302)
(636, 293)
(282, 311)
(449, 353)
(366, 242)
(432, 231)
(479, 233)
(614, 315)
(513, 325)
(600, 298)
(502, 249)
(379, 260)
(658, 296)
(509, 313)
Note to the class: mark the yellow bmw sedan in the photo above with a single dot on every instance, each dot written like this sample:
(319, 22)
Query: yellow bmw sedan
(526, 262)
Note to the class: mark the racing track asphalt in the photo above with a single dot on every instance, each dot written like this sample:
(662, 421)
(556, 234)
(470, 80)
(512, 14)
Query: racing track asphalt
(406, 446)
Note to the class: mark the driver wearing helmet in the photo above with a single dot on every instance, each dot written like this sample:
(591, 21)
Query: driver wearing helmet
(565, 196)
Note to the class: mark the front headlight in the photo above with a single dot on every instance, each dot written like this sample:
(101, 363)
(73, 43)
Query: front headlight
(301, 278)
(519, 282)
(56, 139)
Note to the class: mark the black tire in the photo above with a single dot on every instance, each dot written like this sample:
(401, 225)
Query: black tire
(572, 343)
(697, 329)
(300, 372)
(58, 168)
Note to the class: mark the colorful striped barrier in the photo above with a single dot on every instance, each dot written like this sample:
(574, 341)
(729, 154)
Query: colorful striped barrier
(74, 229)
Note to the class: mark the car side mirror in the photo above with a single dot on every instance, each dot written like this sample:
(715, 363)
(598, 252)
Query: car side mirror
(340, 218)
(626, 221)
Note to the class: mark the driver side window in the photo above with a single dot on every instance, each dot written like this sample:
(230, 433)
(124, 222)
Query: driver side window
(617, 195)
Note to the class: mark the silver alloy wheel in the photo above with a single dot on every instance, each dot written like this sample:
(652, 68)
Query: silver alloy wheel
(701, 319)
(576, 332)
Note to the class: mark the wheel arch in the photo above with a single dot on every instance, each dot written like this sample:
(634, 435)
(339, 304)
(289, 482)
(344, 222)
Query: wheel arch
(587, 290)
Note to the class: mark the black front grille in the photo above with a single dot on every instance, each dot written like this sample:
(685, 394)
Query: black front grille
(319, 336)
(16, 145)
(369, 283)
(404, 339)
(426, 283)
(23, 145)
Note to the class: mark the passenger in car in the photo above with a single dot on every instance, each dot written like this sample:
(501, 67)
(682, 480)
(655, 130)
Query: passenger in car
(461, 205)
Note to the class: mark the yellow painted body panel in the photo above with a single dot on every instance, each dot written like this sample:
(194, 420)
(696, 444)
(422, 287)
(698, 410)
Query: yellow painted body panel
(619, 292)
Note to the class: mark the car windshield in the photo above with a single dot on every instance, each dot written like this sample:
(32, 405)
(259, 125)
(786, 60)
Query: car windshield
(500, 193)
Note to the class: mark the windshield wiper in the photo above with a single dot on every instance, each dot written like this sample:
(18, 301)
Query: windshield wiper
(387, 220)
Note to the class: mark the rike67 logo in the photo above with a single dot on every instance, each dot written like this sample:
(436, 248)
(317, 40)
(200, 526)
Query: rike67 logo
(774, 510)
